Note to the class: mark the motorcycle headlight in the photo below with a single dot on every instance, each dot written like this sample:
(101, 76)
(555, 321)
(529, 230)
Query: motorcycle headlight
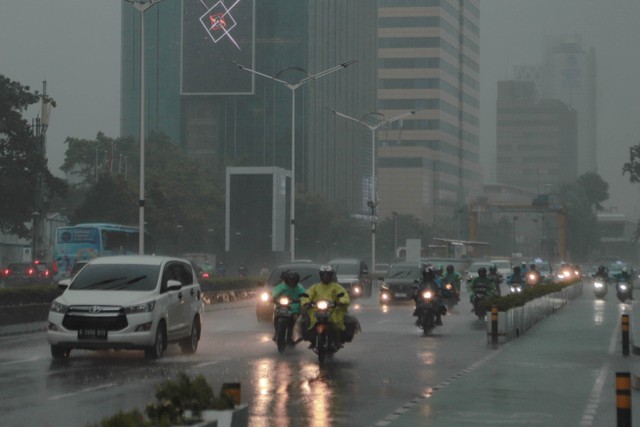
(323, 305)
(623, 287)
(146, 307)
(264, 297)
(283, 301)
(532, 276)
(448, 286)
(427, 295)
(56, 307)
(598, 285)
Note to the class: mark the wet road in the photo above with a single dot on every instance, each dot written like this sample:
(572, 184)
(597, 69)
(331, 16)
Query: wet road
(386, 366)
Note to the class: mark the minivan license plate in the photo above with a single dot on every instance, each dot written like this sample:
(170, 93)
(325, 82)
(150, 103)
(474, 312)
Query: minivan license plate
(92, 334)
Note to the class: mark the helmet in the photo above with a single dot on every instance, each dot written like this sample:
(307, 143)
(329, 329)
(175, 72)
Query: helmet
(449, 268)
(429, 273)
(516, 269)
(292, 278)
(624, 269)
(482, 272)
(326, 274)
(439, 268)
(493, 268)
(602, 269)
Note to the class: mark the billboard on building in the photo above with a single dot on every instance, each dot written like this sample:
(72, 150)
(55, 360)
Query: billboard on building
(257, 211)
(215, 34)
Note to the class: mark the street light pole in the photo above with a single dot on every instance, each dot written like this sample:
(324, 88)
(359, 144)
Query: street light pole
(142, 6)
(373, 202)
(292, 87)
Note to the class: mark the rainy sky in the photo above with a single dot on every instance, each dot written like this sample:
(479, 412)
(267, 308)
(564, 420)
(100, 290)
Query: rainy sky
(75, 46)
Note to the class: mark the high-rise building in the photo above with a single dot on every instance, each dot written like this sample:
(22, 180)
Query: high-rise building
(536, 139)
(571, 77)
(225, 116)
(428, 61)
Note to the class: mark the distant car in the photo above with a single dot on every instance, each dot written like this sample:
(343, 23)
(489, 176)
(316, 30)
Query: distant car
(128, 302)
(399, 282)
(309, 275)
(353, 275)
(472, 273)
(27, 274)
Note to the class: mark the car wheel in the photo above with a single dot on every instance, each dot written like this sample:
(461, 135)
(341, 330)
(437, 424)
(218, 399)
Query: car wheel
(60, 353)
(156, 350)
(189, 345)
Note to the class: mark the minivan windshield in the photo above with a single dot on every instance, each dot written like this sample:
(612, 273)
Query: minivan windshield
(404, 272)
(109, 277)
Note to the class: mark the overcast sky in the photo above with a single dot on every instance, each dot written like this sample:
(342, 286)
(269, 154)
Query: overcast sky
(75, 46)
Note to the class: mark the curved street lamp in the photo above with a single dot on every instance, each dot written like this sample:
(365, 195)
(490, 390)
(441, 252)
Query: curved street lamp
(373, 201)
(142, 6)
(292, 87)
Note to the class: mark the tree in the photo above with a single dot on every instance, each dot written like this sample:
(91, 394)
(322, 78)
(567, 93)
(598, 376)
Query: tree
(596, 190)
(20, 161)
(182, 202)
(633, 166)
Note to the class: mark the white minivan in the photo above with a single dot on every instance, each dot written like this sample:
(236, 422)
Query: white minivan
(128, 302)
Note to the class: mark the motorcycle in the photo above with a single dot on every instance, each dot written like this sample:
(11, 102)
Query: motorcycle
(600, 288)
(623, 291)
(426, 309)
(284, 321)
(479, 308)
(533, 278)
(322, 340)
(516, 288)
(450, 296)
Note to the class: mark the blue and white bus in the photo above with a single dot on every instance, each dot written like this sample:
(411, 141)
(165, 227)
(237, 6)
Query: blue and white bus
(84, 242)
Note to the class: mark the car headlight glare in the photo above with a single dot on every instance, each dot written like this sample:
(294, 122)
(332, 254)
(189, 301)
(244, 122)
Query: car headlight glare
(56, 307)
(146, 307)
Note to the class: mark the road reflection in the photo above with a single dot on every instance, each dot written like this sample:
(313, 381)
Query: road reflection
(297, 392)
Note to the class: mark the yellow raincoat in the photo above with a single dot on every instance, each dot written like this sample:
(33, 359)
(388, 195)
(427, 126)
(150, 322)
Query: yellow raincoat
(328, 292)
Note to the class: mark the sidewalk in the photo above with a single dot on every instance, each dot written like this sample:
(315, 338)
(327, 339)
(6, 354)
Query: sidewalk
(559, 373)
(23, 328)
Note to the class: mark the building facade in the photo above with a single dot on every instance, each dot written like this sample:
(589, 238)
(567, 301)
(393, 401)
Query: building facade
(536, 139)
(428, 61)
(225, 116)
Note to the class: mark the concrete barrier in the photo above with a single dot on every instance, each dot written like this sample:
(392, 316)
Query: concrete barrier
(516, 321)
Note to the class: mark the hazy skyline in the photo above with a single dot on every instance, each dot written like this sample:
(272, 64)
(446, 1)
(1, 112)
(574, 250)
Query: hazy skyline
(75, 46)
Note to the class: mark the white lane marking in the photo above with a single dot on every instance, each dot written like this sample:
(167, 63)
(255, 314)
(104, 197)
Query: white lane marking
(596, 390)
(202, 365)
(13, 362)
(86, 390)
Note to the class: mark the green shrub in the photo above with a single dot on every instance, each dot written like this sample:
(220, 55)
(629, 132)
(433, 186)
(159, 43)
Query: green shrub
(41, 294)
(507, 302)
(179, 401)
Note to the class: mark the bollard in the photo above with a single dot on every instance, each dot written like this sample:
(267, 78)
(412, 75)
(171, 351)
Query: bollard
(625, 334)
(232, 390)
(494, 325)
(623, 398)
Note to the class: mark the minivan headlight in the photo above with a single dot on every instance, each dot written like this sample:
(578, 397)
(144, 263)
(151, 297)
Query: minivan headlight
(146, 307)
(56, 307)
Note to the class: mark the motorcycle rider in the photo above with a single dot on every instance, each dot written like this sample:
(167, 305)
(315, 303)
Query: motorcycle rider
(481, 285)
(328, 289)
(291, 288)
(602, 274)
(430, 280)
(495, 277)
(624, 276)
(454, 278)
(516, 278)
(532, 270)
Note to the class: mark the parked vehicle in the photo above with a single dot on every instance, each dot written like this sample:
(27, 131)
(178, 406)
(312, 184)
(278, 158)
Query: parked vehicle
(308, 272)
(353, 275)
(128, 302)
